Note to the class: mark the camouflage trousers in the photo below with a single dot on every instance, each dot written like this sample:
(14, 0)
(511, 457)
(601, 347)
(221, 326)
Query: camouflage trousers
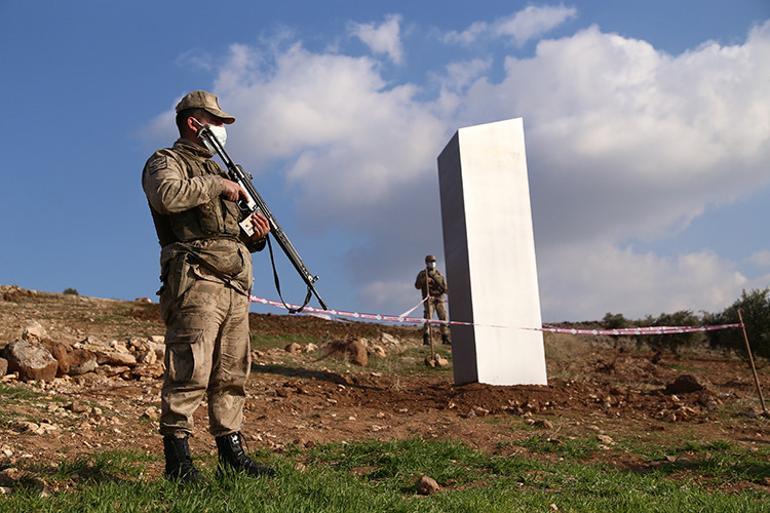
(207, 354)
(436, 304)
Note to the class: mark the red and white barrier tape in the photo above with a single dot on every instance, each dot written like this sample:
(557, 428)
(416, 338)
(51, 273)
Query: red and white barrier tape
(404, 318)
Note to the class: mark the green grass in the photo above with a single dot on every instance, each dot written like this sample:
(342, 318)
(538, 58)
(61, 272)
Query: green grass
(380, 476)
(12, 394)
(575, 449)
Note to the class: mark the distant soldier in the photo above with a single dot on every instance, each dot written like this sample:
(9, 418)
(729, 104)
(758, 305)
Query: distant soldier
(435, 287)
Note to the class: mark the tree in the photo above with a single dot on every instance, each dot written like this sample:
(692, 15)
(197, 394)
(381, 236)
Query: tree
(756, 315)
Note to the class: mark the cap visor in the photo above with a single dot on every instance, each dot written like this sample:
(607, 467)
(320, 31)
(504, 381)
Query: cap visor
(226, 118)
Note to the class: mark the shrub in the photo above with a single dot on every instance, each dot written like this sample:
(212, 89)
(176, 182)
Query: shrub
(71, 291)
(756, 315)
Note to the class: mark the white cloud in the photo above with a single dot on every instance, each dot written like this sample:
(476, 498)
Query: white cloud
(381, 39)
(584, 282)
(624, 143)
(520, 27)
(760, 258)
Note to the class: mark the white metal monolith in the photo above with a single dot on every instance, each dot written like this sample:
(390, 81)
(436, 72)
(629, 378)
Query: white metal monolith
(489, 248)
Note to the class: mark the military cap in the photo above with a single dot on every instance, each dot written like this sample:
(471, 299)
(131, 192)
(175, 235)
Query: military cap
(430, 258)
(206, 101)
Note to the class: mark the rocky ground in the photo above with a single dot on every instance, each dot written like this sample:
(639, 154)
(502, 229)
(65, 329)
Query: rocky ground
(84, 376)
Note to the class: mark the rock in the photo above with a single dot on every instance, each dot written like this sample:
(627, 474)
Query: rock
(153, 371)
(24, 426)
(358, 354)
(72, 361)
(309, 348)
(684, 384)
(34, 332)
(378, 351)
(151, 413)
(430, 362)
(389, 340)
(542, 424)
(118, 346)
(144, 300)
(158, 348)
(116, 359)
(293, 348)
(441, 361)
(3, 366)
(4, 490)
(31, 360)
(148, 357)
(426, 485)
(78, 407)
(605, 439)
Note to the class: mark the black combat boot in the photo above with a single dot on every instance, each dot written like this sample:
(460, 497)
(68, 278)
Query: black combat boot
(425, 339)
(179, 465)
(233, 457)
(445, 339)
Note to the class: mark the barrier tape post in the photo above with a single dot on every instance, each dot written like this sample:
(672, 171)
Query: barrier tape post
(751, 361)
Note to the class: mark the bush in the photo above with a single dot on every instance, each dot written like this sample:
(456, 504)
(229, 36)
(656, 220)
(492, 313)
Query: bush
(756, 315)
(71, 291)
(613, 321)
(673, 342)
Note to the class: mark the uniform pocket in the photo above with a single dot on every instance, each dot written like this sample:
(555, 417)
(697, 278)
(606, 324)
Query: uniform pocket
(183, 355)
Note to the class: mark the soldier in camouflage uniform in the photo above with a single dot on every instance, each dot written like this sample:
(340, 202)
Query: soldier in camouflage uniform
(436, 288)
(206, 279)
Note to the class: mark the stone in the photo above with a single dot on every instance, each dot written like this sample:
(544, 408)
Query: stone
(72, 361)
(426, 485)
(148, 357)
(309, 348)
(116, 359)
(158, 348)
(542, 424)
(293, 348)
(441, 361)
(151, 413)
(358, 354)
(3, 366)
(378, 351)
(34, 331)
(118, 346)
(429, 362)
(605, 439)
(143, 300)
(684, 384)
(389, 340)
(78, 407)
(31, 360)
(153, 371)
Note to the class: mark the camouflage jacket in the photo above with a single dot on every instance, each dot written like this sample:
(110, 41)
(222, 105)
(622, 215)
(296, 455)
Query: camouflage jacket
(436, 283)
(183, 187)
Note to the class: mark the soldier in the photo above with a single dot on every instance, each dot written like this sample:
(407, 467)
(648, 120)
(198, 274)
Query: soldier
(206, 279)
(436, 288)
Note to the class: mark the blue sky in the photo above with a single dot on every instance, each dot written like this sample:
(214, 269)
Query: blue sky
(647, 125)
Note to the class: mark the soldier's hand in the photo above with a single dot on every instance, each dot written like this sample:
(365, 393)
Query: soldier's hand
(233, 191)
(261, 226)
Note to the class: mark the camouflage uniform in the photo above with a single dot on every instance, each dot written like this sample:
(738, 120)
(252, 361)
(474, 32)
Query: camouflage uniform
(437, 288)
(204, 299)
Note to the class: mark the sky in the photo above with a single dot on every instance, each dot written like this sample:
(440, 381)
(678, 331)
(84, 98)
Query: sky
(647, 127)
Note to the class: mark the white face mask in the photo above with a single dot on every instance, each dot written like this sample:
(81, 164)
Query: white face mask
(220, 133)
(431, 265)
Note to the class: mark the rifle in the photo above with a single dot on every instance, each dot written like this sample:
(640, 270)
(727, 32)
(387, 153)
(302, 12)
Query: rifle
(254, 203)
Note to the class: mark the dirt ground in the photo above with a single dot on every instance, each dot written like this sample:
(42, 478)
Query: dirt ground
(597, 386)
